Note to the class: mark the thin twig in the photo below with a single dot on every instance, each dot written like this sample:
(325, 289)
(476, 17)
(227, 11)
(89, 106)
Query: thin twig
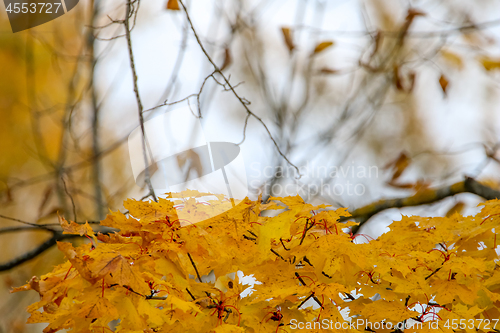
(195, 269)
(242, 100)
(302, 303)
(35, 252)
(96, 142)
(128, 14)
(306, 229)
(19, 229)
(244, 130)
(437, 270)
(41, 226)
(194, 299)
(71, 198)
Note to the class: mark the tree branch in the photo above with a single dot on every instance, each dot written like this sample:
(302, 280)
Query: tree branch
(242, 100)
(195, 269)
(21, 229)
(424, 197)
(41, 226)
(35, 252)
(128, 15)
(96, 110)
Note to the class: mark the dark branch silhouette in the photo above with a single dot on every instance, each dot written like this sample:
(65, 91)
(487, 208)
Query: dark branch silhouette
(58, 236)
(424, 197)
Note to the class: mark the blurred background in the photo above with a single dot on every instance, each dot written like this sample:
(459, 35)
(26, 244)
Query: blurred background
(366, 99)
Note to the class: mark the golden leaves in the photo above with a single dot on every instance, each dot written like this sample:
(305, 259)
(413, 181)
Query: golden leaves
(443, 82)
(457, 208)
(101, 263)
(146, 275)
(130, 318)
(173, 5)
(273, 229)
(322, 46)
(392, 311)
(119, 221)
(287, 37)
(102, 307)
(75, 228)
(490, 63)
(229, 329)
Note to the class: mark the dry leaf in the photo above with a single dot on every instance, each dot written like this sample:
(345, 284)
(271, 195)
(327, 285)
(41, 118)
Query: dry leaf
(412, 13)
(287, 36)
(398, 82)
(322, 46)
(173, 5)
(378, 41)
(443, 82)
(227, 59)
(326, 70)
(490, 63)
(398, 165)
(411, 77)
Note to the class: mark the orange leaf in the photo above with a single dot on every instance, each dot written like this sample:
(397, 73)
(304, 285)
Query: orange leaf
(397, 79)
(76, 228)
(443, 82)
(173, 5)
(287, 36)
(412, 13)
(490, 63)
(322, 46)
(399, 165)
(326, 70)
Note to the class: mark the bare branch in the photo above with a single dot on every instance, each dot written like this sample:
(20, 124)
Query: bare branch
(424, 197)
(27, 223)
(195, 269)
(20, 229)
(96, 142)
(35, 252)
(242, 100)
(244, 130)
(71, 198)
(128, 15)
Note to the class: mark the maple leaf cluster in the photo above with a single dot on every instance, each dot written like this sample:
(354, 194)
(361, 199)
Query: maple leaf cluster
(147, 275)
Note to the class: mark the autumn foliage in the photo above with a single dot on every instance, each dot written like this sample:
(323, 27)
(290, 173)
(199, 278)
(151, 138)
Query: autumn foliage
(309, 268)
